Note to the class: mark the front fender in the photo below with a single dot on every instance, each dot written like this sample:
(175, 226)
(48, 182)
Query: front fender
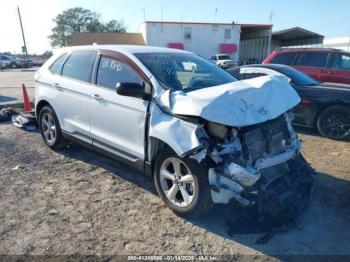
(179, 134)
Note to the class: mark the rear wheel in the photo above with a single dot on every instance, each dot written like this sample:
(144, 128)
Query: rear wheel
(182, 183)
(334, 122)
(50, 128)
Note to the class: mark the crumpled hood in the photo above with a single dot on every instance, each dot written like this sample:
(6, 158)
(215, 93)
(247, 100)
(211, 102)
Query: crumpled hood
(238, 104)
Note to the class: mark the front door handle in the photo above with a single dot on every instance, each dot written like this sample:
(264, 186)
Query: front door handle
(57, 85)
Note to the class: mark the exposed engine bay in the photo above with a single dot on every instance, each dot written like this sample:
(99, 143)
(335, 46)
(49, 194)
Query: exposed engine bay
(258, 164)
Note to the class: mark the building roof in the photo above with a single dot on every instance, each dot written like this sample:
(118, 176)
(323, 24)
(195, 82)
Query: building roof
(296, 36)
(207, 23)
(294, 33)
(87, 38)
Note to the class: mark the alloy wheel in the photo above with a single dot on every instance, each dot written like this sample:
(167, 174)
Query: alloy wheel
(48, 128)
(177, 182)
(336, 125)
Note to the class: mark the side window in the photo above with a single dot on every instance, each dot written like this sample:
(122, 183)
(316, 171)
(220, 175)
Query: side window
(283, 58)
(227, 34)
(341, 62)
(188, 33)
(79, 65)
(56, 67)
(315, 59)
(112, 71)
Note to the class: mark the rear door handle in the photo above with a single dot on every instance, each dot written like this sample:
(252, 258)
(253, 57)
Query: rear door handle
(96, 96)
(57, 85)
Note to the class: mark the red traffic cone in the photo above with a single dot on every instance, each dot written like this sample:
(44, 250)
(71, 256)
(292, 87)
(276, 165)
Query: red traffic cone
(27, 104)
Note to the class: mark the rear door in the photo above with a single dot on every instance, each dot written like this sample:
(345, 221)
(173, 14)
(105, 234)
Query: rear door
(72, 93)
(312, 63)
(339, 71)
(117, 122)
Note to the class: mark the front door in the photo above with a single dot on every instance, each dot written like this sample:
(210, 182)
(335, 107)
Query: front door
(117, 122)
(339, 71)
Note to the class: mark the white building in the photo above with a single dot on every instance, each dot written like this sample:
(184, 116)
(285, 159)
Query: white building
(342, 43)
(208, 39)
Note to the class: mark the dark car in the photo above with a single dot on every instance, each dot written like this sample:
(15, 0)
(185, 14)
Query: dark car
(14, 62)
(323, 64)
(325, 107)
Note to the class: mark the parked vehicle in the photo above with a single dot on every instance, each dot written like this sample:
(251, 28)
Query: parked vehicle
(224, 61)
(2, 65)
(14, 62)
(325, 107)
(204, 136)
(325, 65)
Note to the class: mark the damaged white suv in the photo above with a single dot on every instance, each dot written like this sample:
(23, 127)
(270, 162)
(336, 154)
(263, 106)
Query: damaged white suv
(204, 136)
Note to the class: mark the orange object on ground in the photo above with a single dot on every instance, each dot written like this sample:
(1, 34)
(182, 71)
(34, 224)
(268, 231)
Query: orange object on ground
(27, 104)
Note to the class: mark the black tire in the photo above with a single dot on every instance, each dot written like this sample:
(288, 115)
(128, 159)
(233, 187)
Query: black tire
(334, 122)
(59, 142)
(201, 201)
(13, 65)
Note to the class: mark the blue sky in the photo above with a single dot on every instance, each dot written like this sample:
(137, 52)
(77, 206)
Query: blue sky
(330, 18)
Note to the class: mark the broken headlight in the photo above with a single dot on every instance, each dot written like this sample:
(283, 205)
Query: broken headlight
(217, 130)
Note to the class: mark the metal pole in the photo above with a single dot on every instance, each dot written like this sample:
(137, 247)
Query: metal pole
(144, 14)
(24, 40)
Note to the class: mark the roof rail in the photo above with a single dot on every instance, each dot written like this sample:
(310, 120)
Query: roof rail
(308, 48)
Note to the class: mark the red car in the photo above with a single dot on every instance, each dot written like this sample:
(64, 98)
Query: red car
(325, 65)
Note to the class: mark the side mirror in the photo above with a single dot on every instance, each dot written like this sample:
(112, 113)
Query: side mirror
(132, 89)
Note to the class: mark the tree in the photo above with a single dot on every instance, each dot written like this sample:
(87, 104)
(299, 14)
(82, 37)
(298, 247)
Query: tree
(80, 20)
(114, 26)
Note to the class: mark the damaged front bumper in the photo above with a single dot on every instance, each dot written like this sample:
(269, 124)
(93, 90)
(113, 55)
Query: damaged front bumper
(249, 162)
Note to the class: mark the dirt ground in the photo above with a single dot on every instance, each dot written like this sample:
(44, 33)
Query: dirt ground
(77, 202)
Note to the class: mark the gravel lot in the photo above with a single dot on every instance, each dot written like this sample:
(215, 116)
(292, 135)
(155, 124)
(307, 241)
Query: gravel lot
(77, 202)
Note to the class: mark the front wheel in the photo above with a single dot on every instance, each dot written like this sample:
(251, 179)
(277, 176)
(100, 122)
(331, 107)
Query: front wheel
(182, 183)
(334, 122)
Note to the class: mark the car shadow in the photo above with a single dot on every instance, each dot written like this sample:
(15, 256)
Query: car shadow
(328, 203)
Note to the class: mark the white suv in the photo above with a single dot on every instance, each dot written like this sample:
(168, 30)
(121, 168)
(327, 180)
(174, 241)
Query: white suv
(204, 136)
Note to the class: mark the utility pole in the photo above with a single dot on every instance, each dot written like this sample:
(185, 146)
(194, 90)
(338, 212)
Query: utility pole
(272, 14)
(24, 40)
(144, 14)
(216, 12)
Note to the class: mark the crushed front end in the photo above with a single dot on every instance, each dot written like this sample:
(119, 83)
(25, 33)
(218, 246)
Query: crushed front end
(259, 164)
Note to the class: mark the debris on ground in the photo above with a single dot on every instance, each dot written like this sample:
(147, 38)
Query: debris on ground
(25, 120)
(15, 168)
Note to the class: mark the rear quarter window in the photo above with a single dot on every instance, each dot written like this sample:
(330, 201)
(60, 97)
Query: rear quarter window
(313, 59)
(56, 67)
(79, 65)
(284, 58)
